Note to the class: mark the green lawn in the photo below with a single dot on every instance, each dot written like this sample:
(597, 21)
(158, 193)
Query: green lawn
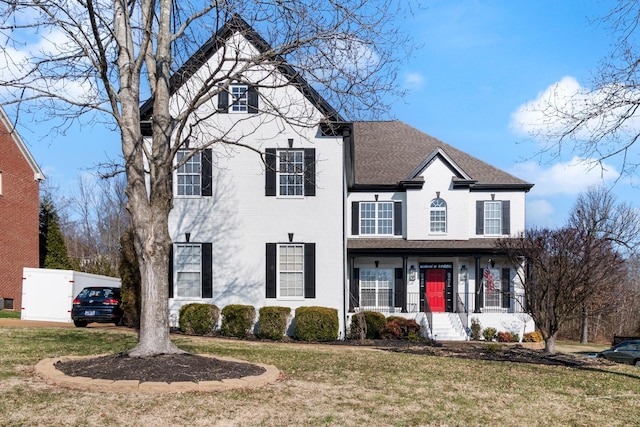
(9, 314)
(321, 386)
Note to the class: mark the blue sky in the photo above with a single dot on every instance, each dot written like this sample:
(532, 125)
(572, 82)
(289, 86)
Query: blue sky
(478, 63)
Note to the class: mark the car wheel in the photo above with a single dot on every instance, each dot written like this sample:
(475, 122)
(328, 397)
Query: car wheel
(636, 362)
(80, 323)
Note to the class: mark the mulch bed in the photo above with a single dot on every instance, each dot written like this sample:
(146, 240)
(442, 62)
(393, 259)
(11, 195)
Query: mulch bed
(194, 368)
(168, 368)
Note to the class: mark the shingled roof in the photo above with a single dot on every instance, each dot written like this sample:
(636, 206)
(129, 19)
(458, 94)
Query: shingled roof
(388, 153)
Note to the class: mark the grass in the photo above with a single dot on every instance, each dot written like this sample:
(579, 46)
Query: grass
(323, 386)
(9, 314)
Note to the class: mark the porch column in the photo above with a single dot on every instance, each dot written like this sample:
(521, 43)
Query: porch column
(479, 290)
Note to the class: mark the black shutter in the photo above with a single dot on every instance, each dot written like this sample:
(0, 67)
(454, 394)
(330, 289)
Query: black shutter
(506, 217)
(252, 100)
(207, 279)
(207, 172)
(506, 288)
(271, 271)
(354, 290)
(309, 270)
(171, 272)
(397, 218)
(400, 290)
(355, 218)
(479, 217)
(270, 172)
(309, 171)
(223, 100)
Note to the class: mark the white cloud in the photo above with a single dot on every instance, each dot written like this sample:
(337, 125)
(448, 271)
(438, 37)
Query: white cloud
(413, 80)
(569, 178)
(556, 111)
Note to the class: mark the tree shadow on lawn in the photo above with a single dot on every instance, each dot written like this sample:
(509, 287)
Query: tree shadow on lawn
(508, 353)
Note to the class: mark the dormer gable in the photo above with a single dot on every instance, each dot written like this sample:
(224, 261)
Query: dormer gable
(439, 154)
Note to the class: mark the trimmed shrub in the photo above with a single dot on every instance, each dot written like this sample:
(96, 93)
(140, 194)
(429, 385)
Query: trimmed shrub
(237, 320)
(272, 323)
(313, 324)
(476, 328)
(532, 337)
(489, 333)
(198, 318)
(375, 324)
(400, 328)
(504, 337)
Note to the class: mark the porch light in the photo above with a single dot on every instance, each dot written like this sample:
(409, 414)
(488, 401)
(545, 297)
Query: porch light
(412, 273)
(463, 271)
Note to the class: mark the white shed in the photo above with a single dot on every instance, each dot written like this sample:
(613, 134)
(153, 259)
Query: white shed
(47, 295)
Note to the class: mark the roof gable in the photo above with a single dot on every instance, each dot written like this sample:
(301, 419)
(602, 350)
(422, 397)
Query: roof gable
(37, 173)
(440, 154)
(237, 25)
(388, 153)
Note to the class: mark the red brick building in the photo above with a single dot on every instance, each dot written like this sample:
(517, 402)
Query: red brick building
(20, 177)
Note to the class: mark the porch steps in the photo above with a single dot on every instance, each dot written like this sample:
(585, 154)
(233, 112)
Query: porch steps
(447, 327)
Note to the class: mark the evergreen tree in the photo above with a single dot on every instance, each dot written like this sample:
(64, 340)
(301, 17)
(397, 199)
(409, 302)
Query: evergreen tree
(53, 250)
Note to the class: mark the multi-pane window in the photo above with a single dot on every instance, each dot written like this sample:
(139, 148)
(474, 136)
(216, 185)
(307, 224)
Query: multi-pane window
(189, 174)
(376, 218)
(291, 172)
(376, 288)
(492, 286)
(188, 267)
(239, 96)
(438, 216)
(291, 270)
(492, 217)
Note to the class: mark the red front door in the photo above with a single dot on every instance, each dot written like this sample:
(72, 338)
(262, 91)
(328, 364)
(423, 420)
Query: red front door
(435, 289)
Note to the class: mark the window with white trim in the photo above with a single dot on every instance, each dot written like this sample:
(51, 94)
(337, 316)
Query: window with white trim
(239, 98)
(493, 217)
(291, 172)
(376, 288)
(438, 216)
(189, 174)
(291, 270)
(188, 270)
(492, 285)
(376, 218)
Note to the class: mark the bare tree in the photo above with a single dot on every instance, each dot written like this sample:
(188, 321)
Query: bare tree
(597, 214)
(599, 120)
(103, 56)
(563, 269)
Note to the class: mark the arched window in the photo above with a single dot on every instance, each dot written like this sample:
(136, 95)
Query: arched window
(438, 216)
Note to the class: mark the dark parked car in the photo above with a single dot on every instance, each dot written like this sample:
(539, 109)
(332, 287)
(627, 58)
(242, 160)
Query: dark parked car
(625, 352)
(97, 304)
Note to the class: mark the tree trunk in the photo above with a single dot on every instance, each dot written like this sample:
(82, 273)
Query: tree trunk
(550, 344)
(584, 326)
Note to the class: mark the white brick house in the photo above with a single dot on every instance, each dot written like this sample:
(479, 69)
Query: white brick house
(317, 211)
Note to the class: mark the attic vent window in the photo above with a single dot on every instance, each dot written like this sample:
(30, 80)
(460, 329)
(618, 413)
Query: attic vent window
(239, 95)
